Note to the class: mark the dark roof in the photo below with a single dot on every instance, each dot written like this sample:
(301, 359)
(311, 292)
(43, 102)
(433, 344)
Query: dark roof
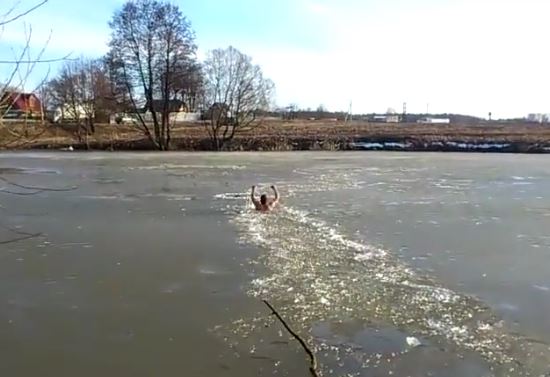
(174, 106)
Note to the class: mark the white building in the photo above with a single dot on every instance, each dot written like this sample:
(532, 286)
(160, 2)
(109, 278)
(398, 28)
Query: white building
(538, 118)
(429, 120)
(130, 118)
(388, 118)
(71, 113)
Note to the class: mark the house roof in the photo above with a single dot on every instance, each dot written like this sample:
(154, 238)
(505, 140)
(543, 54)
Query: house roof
(20, 101)
(174, 106)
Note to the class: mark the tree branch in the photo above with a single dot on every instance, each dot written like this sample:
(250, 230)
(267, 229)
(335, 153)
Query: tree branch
(23, 14)
(18, 232)
(11, 10)
(3, 191)
(30, 236)
(38, 61)
(38, 189)
(312, 358)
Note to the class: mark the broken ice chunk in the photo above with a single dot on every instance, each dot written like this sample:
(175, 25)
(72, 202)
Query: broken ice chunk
(413, 342)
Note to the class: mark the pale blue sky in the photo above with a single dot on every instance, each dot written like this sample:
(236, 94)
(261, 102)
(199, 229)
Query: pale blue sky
(462, 56)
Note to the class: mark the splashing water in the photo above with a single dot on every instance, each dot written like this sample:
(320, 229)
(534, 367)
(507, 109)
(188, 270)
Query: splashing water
(315, 273)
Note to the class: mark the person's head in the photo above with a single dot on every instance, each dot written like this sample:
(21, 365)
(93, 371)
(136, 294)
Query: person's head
(263, 199)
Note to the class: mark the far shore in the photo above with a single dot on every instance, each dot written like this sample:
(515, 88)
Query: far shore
(298, 135)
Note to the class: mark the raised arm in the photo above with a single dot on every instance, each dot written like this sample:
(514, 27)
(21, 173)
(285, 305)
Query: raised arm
(276, 192)
(256, 202)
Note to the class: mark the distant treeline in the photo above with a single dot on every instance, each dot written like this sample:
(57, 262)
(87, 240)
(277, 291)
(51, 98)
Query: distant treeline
(341, 116)
(370, 117)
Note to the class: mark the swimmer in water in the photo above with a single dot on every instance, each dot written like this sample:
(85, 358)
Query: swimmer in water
(265, 204)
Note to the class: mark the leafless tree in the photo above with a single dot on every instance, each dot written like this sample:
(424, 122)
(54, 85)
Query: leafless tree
(46, 99)
(18, 71)
(152, 44)
(235, 92)
(189, 85)
(321, 111)
(289, 112)
(120, 94)
(81, 93)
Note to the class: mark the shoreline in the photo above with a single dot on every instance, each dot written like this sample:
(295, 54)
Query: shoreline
(301, 136)
(311, 144)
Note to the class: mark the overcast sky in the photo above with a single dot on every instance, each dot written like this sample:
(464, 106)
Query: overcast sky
(459, 56)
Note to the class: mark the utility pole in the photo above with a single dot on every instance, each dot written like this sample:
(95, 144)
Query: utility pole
(349, 115)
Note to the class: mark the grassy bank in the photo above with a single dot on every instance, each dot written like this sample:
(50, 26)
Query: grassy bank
(296, 135)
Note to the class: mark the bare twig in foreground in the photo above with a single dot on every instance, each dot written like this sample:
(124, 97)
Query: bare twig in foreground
(39, 60)
(22, 14)
(3, 191)
(37, 189)
(30, 236)
(312, 358)
(24, 235)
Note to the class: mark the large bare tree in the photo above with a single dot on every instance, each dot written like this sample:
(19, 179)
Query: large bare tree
(236, 92)
(152, 45)
(82, 92)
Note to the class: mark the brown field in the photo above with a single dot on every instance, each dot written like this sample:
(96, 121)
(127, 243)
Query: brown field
(275, 135)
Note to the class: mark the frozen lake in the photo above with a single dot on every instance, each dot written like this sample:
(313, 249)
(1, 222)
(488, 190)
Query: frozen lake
(155, 264)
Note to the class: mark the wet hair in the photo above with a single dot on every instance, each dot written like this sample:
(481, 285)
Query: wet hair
(263, 199)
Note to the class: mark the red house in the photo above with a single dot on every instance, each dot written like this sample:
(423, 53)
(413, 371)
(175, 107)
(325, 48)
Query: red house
(22, 103)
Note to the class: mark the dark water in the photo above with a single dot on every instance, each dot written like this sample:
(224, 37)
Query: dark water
(155, 264)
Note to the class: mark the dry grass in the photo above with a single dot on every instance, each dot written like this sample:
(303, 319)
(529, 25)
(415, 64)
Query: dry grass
(36, 135)
(501, 132)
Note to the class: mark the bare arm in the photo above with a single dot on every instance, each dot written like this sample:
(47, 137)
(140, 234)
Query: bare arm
(276, 192)
(256, 202)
